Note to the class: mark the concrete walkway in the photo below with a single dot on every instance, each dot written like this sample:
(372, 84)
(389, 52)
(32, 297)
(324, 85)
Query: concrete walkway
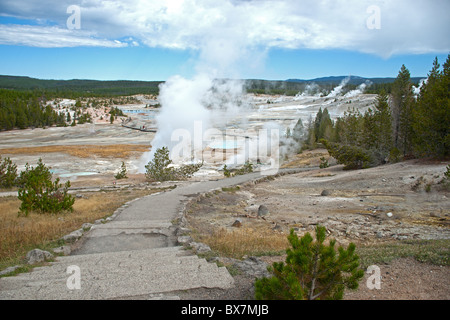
(135, 255)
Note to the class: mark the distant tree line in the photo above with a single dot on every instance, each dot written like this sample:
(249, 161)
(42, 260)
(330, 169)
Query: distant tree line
(25, 109)
(73, 89)
(30, 109)
(400, 125)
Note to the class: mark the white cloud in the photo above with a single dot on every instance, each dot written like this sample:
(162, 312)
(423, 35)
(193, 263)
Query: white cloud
(419, 26)
(51, 37)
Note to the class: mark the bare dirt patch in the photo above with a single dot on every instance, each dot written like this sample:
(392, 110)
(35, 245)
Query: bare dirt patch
(383, 206)
(81, 151)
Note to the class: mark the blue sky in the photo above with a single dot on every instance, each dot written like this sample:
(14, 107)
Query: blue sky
(266, 39)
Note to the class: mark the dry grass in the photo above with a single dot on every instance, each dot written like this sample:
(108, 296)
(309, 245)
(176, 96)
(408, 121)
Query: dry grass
(82, 151)
(19, 234)
(245, 241)
(306, 158)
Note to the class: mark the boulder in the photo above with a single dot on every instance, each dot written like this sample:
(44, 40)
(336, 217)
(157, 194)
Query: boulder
(253, 266)
(9, 270)
(200, 247)
(86, 226)
(263, 211)
(184, 239)
(38, 255)
(73, 236)
(237, 223)
(65, 250)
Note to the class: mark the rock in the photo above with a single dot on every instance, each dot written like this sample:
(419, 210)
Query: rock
(86, 226)
(263, 211)
(38, 255)
(73, 236)
(253, 266)
(389, 214)
(184, 239)
(180, 231)
(237, 223)
(380, 234)
(9, 270)
(325, 193)
(63, 249)
(434, 215)
(200, 247)
(277, 227)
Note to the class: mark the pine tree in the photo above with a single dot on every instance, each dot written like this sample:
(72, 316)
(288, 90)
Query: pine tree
(8, 173)
(384, 123)
(159, 168)
(377, 133)
(38, 193)
(351, 131)
(312, 270)
(432, 115)
(325, 126)
(122, 174)
(298, 131)
(317, 122)
(402, 104)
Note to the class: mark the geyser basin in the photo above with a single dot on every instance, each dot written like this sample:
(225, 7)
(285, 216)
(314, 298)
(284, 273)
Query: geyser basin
(86, 173)
(225, 145)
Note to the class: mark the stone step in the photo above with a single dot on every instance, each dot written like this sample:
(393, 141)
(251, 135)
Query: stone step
(123, 259)
(114, 275)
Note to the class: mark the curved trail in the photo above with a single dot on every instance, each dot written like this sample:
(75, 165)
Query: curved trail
(134, 255)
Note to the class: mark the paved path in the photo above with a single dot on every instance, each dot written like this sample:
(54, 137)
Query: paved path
(135, 255)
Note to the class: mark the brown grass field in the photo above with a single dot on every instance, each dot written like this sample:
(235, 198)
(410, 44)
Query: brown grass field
(245, 242)
(82, 151)
(19, 234)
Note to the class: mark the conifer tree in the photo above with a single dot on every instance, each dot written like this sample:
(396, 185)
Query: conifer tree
(298, 131)
(8, 173)
(402, 104)
(377, 131)
(39, 193)
(312, 270)
(325, 126)
(432, 115)
(122, 174)
(317, 122)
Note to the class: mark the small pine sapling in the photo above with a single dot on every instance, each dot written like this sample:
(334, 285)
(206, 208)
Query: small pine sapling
(312, 271)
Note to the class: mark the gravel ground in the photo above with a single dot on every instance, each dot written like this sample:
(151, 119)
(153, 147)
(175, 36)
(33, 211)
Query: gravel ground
(354, 210)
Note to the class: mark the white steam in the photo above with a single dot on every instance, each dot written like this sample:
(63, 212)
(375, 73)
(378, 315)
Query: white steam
(337, 90)
(416, 90)
(311, 90)
(191, 110)
(359, 90)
